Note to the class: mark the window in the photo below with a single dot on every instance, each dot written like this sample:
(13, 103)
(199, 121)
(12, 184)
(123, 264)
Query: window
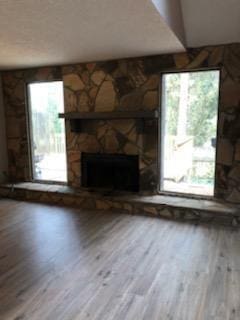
(47, 131)
(188, 132)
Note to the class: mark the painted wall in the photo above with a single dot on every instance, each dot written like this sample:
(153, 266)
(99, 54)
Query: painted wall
(128, 84)
(3, 141)
(171, 11)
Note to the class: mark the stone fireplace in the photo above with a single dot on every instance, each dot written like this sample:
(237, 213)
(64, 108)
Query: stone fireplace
(116, 87)
(118, 137)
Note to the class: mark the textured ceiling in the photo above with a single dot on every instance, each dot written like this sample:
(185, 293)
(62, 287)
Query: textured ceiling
(51, 32)
(211, 22)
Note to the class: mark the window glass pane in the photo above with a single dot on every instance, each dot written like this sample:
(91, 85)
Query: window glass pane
(47, 131)
(189, 129)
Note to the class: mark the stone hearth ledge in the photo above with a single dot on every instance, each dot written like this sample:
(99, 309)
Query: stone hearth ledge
(169, 207)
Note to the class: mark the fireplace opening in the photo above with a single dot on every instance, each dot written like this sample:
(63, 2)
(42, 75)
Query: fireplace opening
(110, 171)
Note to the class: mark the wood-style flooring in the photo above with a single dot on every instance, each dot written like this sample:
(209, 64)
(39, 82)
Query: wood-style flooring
(63, 263)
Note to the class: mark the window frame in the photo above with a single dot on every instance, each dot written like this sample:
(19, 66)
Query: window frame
(30, 134)
(161, 130)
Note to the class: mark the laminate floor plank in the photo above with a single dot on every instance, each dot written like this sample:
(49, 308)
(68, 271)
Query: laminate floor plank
(69, 264)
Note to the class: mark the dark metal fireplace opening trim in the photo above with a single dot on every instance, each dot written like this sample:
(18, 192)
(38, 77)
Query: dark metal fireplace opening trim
(110, 172)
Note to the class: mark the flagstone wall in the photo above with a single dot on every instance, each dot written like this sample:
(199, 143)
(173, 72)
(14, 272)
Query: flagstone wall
(128, 84)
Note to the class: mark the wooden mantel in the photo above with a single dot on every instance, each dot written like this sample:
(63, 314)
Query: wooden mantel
(110, 115)
(76, 118)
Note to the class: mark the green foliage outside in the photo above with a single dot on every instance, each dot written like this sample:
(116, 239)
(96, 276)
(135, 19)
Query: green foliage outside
(202, 105)
(202, 100)
(46, 124)
(55, 125)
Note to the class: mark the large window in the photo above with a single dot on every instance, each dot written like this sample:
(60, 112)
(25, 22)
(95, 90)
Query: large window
(188, 131)
(47, 132)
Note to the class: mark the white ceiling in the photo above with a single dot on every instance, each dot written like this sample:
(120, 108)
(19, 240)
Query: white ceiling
(211, 22)
(52, 32)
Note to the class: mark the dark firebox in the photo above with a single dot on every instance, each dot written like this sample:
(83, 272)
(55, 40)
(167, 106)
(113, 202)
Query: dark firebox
(110, 171)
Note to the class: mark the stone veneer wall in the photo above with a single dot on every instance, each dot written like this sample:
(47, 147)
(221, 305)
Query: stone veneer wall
(112, 86)
(128, 84)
